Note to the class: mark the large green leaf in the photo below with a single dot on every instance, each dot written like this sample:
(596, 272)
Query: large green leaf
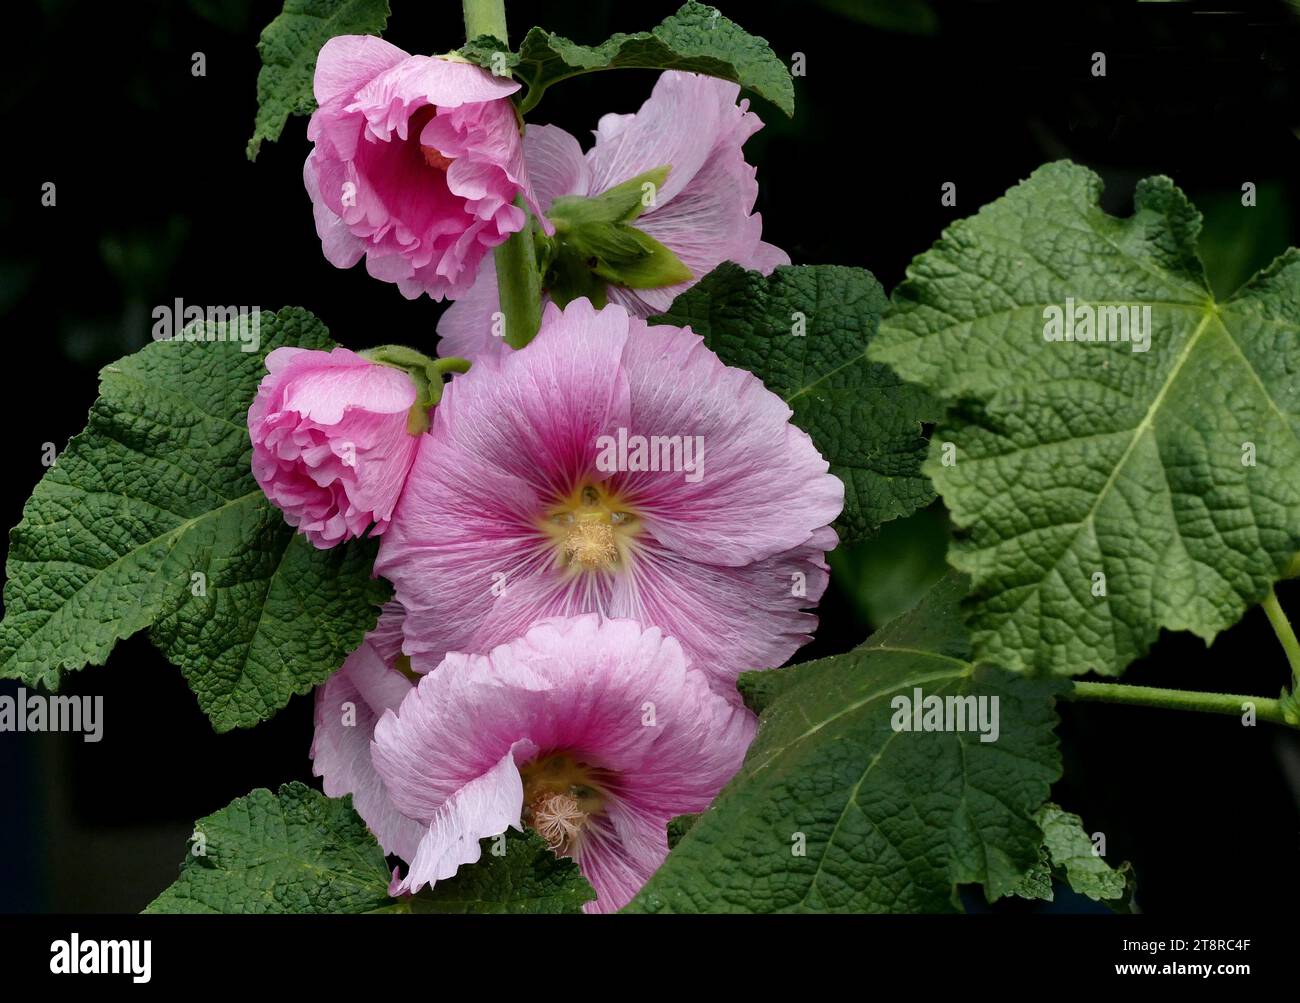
(889, 820)
(697, 39)
(526, 878)
(804, 332)
(1102, 493)
(300, 852)
(292, 852)
(151, 518)
(288, 48)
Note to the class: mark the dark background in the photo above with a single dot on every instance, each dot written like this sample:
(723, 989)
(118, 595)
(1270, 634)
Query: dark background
(156, 200)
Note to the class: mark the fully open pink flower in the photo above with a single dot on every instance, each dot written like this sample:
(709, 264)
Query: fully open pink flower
(417, 162)
(523, 502)
(703, 212)
(330, 442)
(592, 732)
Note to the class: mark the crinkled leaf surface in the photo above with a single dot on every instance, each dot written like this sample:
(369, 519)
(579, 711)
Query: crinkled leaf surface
(1174, 472)
(888, 821)
(526, 878)
(289, 46)
(1067, 851)
(292, 852)
(1072, 853)
(300, 852)
(861, 416)
(697, 39)
(151, 518)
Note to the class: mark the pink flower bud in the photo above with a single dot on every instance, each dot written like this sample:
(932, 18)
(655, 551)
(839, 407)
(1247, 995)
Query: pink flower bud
(331, 446)
(417, 163)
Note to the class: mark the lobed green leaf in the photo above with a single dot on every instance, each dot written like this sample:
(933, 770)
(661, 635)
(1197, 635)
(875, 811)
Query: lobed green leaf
(1101, 493)
(697, 39)
(289, 46)
(151, 518)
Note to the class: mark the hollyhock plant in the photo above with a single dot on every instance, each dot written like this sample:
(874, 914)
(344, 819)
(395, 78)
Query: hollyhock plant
(618, 468)
(592, 732)
(416, 165)
(702, 212)
(334, 435)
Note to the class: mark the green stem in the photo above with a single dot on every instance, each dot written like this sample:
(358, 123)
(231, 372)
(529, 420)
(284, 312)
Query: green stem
(519, 285)
(1152, 696)
(1282, 628)
(518, 281)
(485, 17)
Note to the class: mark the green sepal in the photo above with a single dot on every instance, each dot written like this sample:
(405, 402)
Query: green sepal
(595, 244)
(425, 372)
(621, 204)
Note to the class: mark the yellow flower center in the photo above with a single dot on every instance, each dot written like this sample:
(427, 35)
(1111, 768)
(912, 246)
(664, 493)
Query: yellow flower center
(560, 797)
(592, 529)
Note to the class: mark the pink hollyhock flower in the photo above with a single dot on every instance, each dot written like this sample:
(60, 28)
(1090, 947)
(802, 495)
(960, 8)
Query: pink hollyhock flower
(331, 445)
(523, 502)
(703, 212)
(592, 732)
(348, 706)
(417, 162)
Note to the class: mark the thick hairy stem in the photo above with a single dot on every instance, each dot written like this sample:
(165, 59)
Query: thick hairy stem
(485, 17)
(520, 287)
(518, 282)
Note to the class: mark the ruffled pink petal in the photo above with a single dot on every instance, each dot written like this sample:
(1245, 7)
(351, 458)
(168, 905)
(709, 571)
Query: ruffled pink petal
(677, 126)
(488, 165)
(626, 846)
(732, 619)
(760, 486)
(462, 521)
(469, 327)
(537, 415)
(340, 247)
(710, 220)
(342, 380)
(387, 99)
(451, 729)
(764, 257)
(347, 62)
(555, 163)
(348, 705)
(377, 456)
(330, 443)
(486, 806)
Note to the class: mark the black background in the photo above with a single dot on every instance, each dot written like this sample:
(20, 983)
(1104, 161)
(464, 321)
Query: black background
(155, 200)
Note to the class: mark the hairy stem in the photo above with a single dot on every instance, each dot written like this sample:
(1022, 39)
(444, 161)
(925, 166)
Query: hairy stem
(520, 286)
(1232, 704)
(1282, 628)
(485, 17)
(518, 282)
